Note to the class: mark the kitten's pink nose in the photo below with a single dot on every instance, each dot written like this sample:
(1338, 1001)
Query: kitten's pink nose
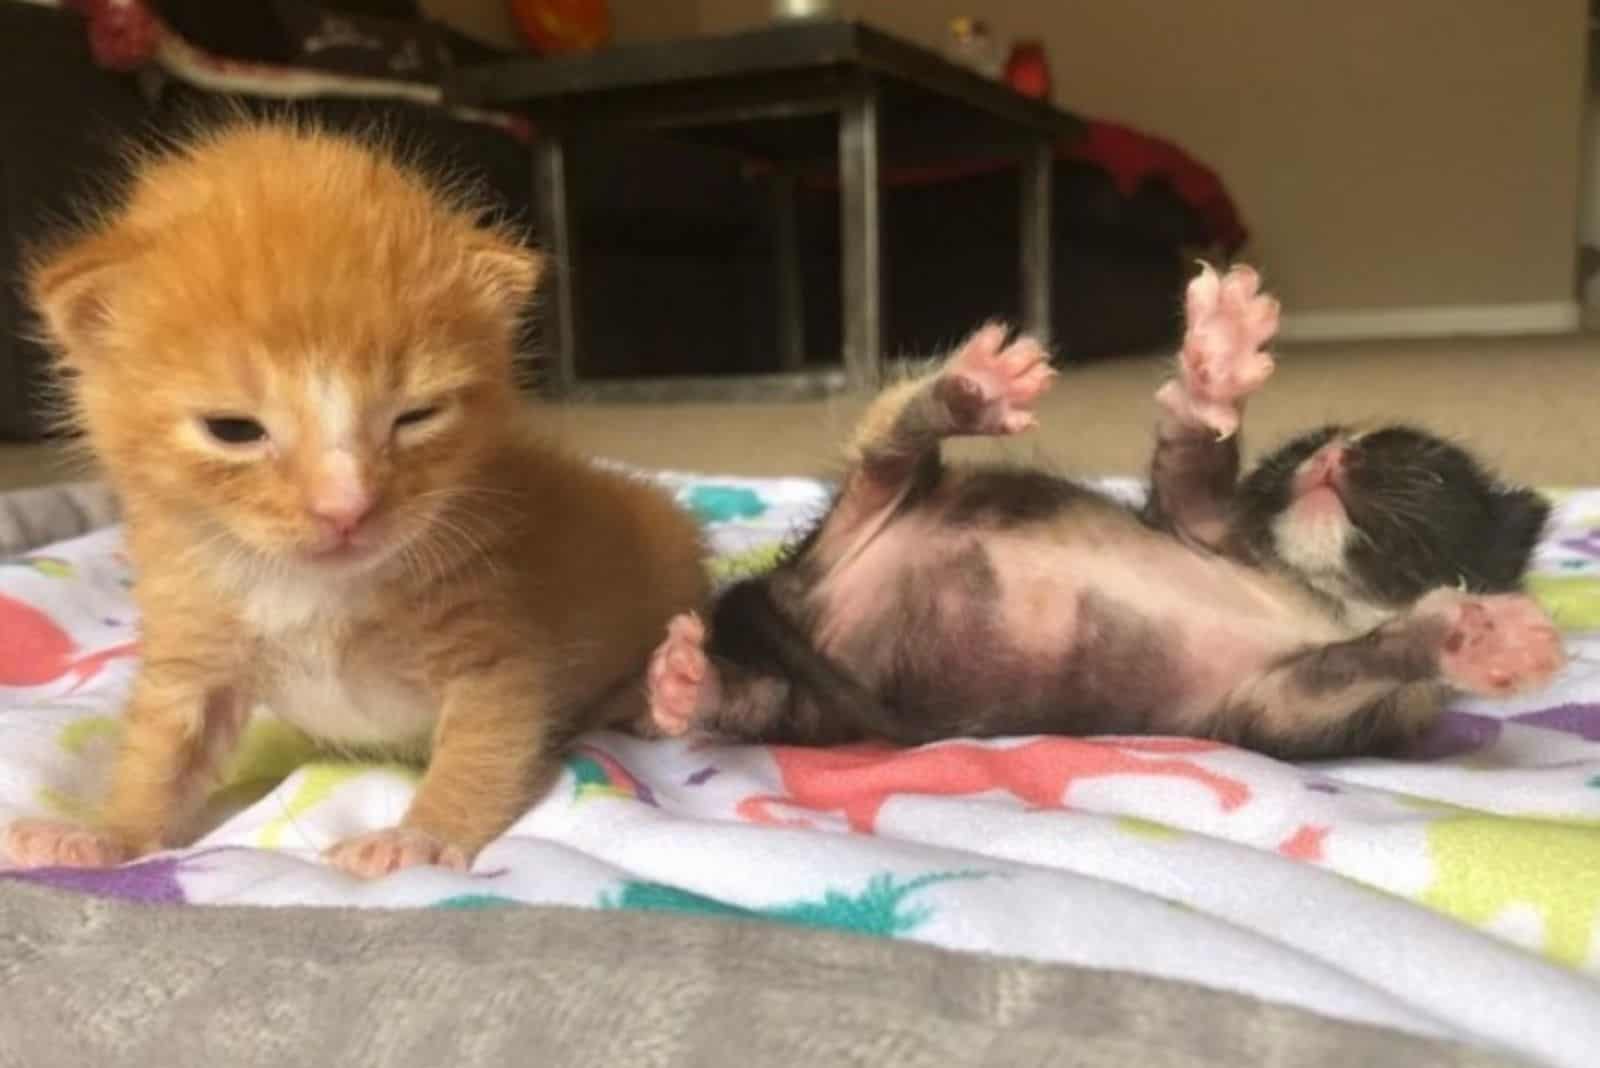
(342, 515)
(1325, 468)
(340, 498)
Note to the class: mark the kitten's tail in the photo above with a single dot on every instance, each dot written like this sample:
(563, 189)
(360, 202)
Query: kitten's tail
(748, 629)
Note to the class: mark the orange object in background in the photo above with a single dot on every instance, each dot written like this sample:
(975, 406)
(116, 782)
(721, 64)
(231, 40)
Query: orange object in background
(554, 26)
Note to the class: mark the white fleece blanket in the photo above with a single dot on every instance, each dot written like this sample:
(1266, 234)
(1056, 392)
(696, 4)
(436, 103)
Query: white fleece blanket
(1456, 892)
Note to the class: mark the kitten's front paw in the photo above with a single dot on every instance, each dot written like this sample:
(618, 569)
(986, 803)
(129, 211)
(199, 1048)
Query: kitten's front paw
(680, 677)
(990, 387)
(379, 853)
(53, 844)
(1221, 363)
(1496, 645)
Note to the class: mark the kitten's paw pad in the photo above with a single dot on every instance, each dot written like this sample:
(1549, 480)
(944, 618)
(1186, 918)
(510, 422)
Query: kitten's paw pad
(1221, 363)
(52, 844)
(371, 856)
(680, 677)
(1497, 646)
(990, 387)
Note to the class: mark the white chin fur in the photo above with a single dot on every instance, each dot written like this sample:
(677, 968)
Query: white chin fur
(1313, 544)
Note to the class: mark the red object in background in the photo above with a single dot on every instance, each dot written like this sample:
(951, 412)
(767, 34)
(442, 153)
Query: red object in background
(1027, 71)
(554, 26)
(1130, 157)
(123, 34)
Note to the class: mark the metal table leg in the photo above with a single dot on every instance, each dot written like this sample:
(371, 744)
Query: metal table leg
(558, 234)
(791, 301)
(1036, 244)
(861, 238)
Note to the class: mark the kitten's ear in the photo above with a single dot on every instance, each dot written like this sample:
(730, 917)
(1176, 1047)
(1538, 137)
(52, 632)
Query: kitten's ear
(70, 288)
(506, 271)
(1520, 517)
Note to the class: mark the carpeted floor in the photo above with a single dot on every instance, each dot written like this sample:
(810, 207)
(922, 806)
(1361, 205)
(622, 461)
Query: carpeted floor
(1529, 406)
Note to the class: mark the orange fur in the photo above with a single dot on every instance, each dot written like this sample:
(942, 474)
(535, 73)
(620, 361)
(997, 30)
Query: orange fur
(500, 594)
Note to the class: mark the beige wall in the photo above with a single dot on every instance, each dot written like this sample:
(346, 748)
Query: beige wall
(1386, 153)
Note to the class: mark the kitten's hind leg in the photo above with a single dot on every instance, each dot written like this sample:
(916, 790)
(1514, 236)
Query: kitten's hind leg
(1372, 693)
(1196, 460)
(692, 691)
(757, 687)
(985, 387)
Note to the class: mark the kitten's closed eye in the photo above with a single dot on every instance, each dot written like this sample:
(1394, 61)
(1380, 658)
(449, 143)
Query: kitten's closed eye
(415, 416)
(234, 429)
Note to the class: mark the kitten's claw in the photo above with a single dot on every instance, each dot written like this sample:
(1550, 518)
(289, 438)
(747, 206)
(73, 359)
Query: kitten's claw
(379, 853)
(53, 844)
(990, 387)
(1495, 646)
(680, 677)
(1221, 362)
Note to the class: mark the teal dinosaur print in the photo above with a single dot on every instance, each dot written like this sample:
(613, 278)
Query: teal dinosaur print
(475, 901)
(720, 504)
(877, 910)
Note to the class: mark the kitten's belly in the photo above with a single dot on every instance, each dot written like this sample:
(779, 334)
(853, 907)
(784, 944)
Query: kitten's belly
(1106, 628)
(1219, 622)
(340, 699)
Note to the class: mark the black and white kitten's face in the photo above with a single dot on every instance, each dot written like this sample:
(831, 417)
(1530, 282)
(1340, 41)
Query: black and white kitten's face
(1387, 515)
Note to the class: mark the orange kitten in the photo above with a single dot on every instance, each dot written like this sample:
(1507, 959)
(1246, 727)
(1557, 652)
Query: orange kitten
(293, 358)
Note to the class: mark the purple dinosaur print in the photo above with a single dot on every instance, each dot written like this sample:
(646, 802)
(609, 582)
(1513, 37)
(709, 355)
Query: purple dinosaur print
(1458, 733)
(153, 881)
(1588, 545)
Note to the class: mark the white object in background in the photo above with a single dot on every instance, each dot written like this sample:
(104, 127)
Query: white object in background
(971, 43)
(803, 9)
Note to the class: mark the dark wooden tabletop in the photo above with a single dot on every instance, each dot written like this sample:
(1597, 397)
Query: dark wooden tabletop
(796, 56)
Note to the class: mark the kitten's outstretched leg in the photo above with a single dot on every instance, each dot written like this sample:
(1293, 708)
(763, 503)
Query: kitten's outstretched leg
(1384, 688)
(177, 732)
(1196, 460)
(984, 387)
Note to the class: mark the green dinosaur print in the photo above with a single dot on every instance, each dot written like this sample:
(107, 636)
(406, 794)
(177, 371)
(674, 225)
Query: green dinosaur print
(317, 784)
(77, 736)
(69, 806)
(1573, 601)
(1485, 864)
(1144, 828)
(876, 910)
(751, 562)
(269, 752)
(49, 566)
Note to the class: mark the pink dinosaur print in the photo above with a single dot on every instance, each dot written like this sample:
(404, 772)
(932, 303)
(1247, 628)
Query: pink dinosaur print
(858, 779)
(35, 651)
(1306, 843)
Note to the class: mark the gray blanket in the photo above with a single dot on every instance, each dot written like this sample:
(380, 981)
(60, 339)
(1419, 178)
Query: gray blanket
(90, 981)
(30, 518)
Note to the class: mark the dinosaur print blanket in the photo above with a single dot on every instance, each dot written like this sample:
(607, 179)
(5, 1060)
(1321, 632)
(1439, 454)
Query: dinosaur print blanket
(1456, 892)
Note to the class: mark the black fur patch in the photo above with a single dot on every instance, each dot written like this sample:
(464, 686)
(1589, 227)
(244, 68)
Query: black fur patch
(1401, 652)
(1380, 727)
(1003, 497)
(823, 703)
(966, 677)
